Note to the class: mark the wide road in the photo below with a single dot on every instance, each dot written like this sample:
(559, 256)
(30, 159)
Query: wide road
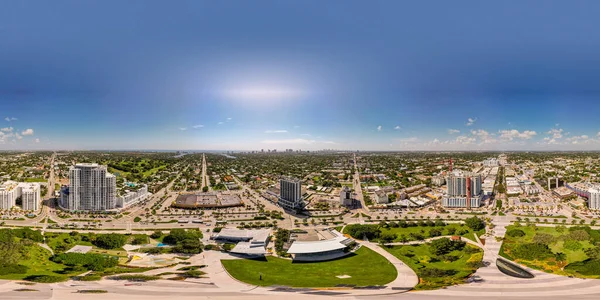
(358, 189)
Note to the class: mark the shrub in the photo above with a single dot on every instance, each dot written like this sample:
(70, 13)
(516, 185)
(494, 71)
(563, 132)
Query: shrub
(572, 245)
(13, 269)
(188, 246)
(89, 277)
(475, 223)
(110, 241)
(543, 238)
(46, 278)
(531, 251)
(193, 274)
(228, 247)
(578, 235)
(135, 277)
(156, 234)
(435, 272)
(91, 261)
(435, 232)
(444, 246)
(360, 231)
(515, 233)
(178, 235)
(587, 267)
(139, 239)
(137, 219)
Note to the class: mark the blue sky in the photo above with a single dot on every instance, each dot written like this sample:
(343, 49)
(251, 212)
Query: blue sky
(246, 75)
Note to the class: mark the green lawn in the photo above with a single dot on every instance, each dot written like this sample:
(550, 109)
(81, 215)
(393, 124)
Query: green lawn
(419, 258)
(36, 259)
(557, 245)
(365, 267)
(38, 179)
(460, 229)
(410, 232)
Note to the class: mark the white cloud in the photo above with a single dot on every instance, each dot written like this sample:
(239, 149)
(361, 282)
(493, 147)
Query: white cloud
(484, 136)
(290, 141)
(8, 119)
(296, 126)
(198, 126)
(453, 131)
(471, 121)
(556, 133)
(379, 128)
(397, 128)
(37, 140)
(18, 136)
(6, 129)
(579, 139)
(220, 123)
(305, 134)
(515, 134)
(228, 119)
(598, 134)
(408, 140)
(182, 128)
(465, 140)
(276, 131)
(27, 131)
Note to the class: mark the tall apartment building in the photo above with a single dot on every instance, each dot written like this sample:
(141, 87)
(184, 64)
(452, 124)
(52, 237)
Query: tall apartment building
(29, 193)
(30, 196)
(346, 196)
(491, 162)
(290, 194)
(91, 188)
(457, 190)
(594, 200)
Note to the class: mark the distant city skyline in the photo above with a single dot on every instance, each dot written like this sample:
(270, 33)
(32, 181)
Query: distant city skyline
(235, 75)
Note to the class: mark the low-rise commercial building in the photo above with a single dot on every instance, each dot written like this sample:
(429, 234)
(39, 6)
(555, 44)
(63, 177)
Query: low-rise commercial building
(248, 242)
(320, 250)
(381, 197)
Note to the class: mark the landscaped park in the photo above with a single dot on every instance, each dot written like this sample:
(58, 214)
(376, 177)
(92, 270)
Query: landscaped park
(24, 257)
(364, 267)
(439, 263)
(560, 250)
(407, 231)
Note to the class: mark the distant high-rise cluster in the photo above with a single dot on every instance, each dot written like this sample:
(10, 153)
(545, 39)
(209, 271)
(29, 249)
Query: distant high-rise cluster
(29, 193)
(91, 188)
(463, 190)
(290, 196)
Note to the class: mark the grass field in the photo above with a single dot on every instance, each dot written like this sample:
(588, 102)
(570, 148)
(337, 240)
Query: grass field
(38, 179)
(409, 233)
(365, 267)
(37, 261)
(573, 255)
(419, 258)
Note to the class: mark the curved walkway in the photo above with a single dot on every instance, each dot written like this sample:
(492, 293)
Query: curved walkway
(406, 279)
